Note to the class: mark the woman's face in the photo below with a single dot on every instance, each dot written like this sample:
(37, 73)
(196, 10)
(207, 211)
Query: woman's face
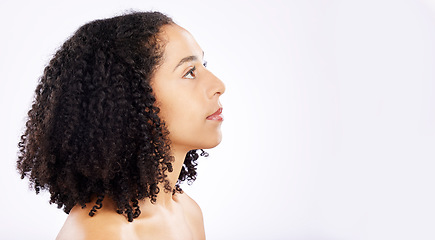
(187, 93)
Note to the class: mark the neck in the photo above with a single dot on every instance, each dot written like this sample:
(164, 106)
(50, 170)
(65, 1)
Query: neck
(166, 198)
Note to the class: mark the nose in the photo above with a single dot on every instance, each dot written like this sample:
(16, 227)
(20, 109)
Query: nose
(217, 87)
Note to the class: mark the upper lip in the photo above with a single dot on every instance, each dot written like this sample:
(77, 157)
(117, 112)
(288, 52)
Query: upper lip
(218, 112)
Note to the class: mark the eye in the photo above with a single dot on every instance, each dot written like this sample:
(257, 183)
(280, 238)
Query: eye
(205, 63)
(190, 74)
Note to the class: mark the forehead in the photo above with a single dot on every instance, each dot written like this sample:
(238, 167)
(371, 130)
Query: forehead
(179, 43)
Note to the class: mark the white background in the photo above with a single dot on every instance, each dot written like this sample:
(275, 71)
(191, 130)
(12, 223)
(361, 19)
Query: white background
(330, 114)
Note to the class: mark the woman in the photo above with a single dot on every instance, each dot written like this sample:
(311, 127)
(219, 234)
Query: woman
(118, 115)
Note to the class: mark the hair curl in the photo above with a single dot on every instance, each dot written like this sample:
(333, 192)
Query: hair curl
(93, 129)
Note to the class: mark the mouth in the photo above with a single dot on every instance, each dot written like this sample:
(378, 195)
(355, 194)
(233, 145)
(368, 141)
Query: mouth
(217, 116)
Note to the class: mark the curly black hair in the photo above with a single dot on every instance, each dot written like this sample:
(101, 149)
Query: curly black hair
(94, 129)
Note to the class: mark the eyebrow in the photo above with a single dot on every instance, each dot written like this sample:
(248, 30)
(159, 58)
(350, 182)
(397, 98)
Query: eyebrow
(188, 59)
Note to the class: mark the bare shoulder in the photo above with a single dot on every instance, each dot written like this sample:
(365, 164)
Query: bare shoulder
(193, 214)
(153, 223)
(103, 225)
(189, 205)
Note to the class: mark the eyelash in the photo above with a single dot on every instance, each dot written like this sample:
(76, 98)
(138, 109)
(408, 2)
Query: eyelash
(192, 70)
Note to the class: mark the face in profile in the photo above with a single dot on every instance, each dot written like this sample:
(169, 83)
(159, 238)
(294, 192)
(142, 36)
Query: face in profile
(187, 93)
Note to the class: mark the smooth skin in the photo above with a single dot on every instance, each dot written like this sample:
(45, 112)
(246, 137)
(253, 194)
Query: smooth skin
(187, 93)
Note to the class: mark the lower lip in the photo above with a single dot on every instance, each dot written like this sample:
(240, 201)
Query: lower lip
(219, 117)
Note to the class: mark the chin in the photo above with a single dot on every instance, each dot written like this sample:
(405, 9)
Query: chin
(211, 144)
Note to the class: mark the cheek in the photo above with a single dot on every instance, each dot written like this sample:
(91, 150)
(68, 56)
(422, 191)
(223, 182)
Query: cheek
(181, 113)
(189, 128)
(184, 113)
(184, 117)
(194, 132)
